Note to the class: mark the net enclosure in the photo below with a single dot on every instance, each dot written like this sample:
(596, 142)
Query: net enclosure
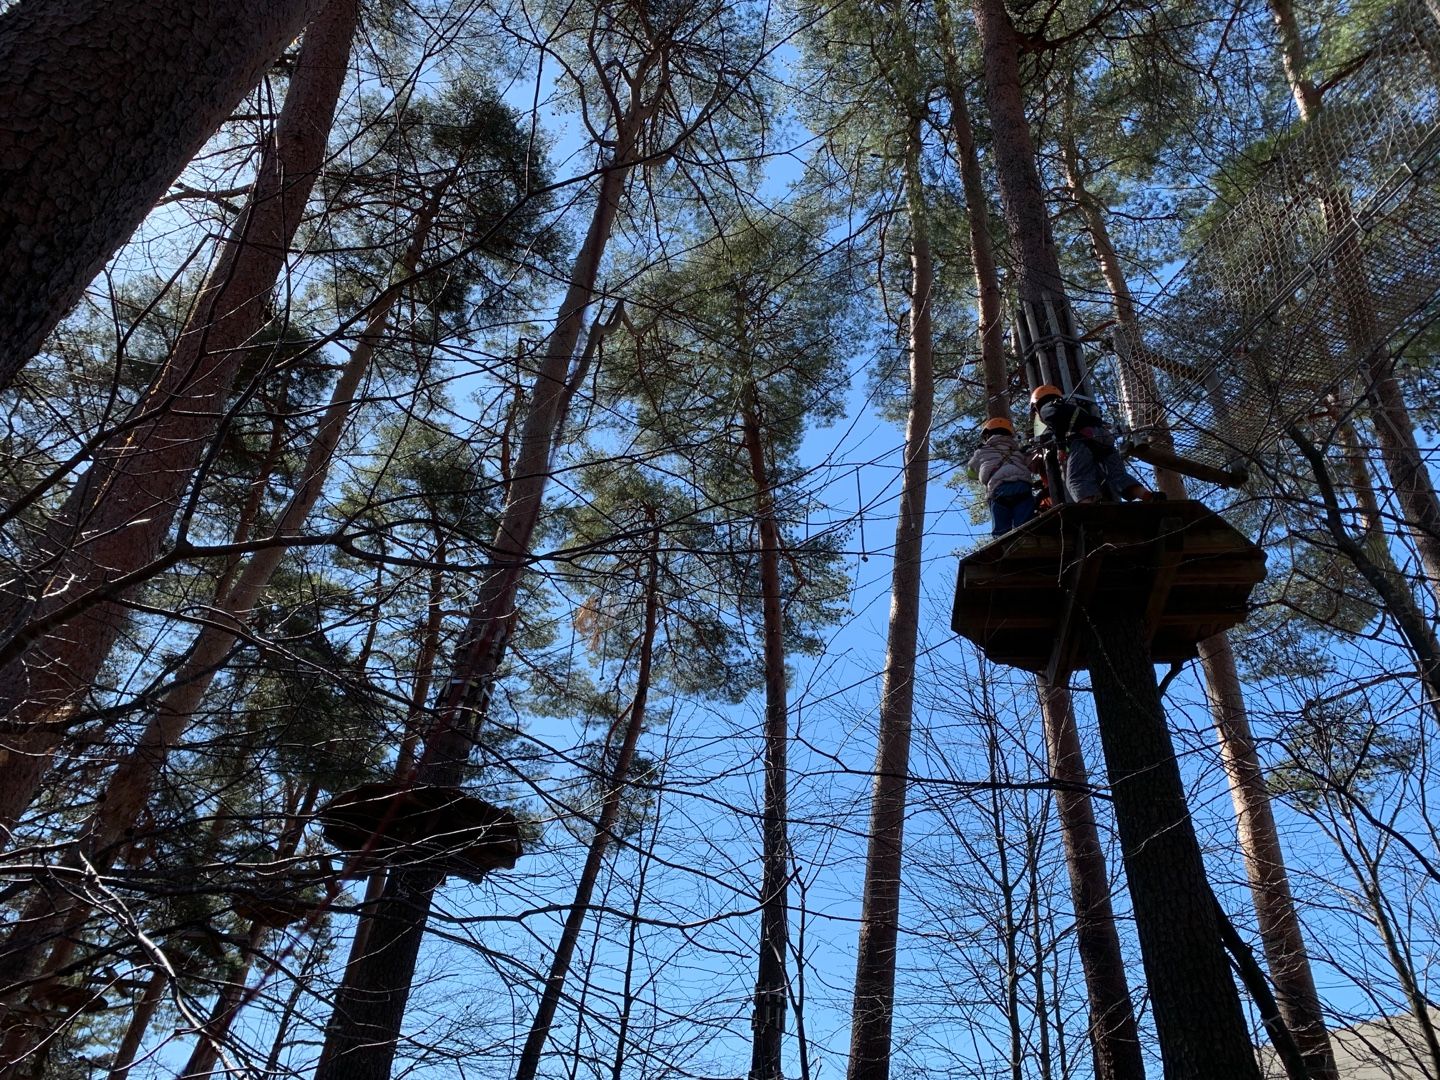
(1312, 274)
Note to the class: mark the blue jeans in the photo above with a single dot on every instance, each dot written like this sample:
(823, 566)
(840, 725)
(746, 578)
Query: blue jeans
(1011, 506)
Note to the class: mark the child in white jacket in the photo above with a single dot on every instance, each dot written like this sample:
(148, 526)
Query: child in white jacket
(1005, 471)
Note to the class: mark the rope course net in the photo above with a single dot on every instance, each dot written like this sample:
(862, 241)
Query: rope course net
(1331, 252)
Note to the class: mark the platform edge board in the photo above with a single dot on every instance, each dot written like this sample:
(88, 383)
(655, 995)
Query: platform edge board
(1012, 594)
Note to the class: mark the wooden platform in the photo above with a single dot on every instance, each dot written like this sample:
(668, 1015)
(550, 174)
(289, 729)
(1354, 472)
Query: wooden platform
(1185, 571)
(393, 822)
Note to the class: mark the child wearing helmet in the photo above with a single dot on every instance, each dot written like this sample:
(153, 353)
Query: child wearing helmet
(1091, 460)
(1004, 469)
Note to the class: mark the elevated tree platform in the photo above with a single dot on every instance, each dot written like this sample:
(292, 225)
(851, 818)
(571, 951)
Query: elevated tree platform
(1022, 598)
(391, 821)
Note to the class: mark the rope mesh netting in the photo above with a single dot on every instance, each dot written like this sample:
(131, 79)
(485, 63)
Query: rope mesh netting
(1326, 257)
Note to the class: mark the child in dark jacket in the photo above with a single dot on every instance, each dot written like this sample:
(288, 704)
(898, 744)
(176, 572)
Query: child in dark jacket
(1091, 460)
(1004, 469)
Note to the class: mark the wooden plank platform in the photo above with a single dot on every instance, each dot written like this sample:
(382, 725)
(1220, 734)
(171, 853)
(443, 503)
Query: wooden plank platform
(1182, 568)
(393, 821)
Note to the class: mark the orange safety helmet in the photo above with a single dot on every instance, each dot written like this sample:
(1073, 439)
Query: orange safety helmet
(997, 423)
(1040, 393)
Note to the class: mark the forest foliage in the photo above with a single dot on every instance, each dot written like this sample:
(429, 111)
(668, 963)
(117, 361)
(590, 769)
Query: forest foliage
(568, 428)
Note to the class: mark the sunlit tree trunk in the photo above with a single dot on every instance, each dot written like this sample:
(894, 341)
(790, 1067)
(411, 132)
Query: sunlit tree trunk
(872, 1018)
(364, 1028)
(629, 727)
(116, 520)
(771, 981)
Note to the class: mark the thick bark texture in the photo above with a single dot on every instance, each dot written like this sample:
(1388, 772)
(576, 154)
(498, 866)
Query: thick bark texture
(1051, 352)
(1201, 1026)
(101, 106)
(1114, 1037)
(1280, 932)
(990, 322)
(117, 518)
(633, 723)
(364, 1029)
(363, 1032)
(870, 1025)
(771, 981)
(1115, 1041)
(1021, 194)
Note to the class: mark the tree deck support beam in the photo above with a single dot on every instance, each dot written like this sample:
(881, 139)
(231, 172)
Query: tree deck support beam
(1161, 458)
(1081, 579)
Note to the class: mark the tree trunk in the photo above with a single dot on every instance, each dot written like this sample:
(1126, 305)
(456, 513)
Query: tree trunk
(1040, 281)
(871, 1022)
(1202, 1029)
(990, 326)
(1280, 932)
(1055, 356)
(115, 521)
(363, 1031)
(1281, 937)
(1021, 193)
(600, 841)
(361, 1036)
(101, 106)
(771, 980)
(131, 784)
(222, 1014)
(140, 1019)
(1114, 1037)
